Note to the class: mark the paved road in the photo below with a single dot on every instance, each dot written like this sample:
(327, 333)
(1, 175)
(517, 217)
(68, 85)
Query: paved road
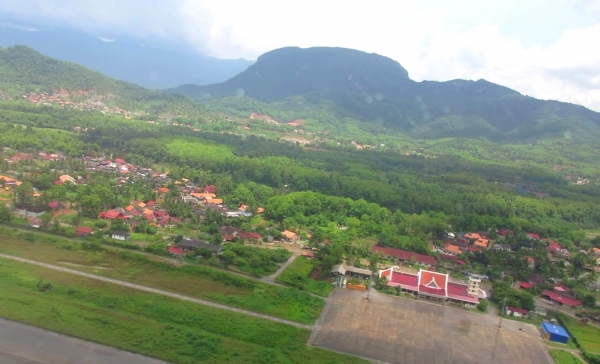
(271, 278)
(24, 344)
(156, 291)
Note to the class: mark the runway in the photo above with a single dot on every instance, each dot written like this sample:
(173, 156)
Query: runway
(24, 344)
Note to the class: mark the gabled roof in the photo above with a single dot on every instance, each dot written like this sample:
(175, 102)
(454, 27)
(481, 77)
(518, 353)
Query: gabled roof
(289, 234)
(452, 248)
(405, 255)
(82, 230)
(562, 299)
(533, 236)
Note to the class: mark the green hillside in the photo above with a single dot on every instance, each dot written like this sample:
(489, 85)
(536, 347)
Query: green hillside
(346, 83)
(24, 70)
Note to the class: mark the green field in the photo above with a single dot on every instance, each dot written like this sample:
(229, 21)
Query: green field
(296, 275)
(587, 336)
(173, 330)
(564, 357)
(192, 280)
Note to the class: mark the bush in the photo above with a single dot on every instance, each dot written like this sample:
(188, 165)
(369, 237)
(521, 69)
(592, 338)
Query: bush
(483, 305)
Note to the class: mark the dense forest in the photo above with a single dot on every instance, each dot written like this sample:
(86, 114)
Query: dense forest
(465, 194)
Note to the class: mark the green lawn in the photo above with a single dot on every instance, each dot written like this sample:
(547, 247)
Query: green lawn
(172, 330)
(588, 336)
(296, 275)
(192, 280)
(564, 357)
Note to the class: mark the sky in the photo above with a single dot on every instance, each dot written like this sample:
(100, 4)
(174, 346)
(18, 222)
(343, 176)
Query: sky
(544, 49)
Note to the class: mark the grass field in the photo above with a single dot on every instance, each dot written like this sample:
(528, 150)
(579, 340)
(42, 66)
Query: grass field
(158, 326)
(588, 336)
(296, 275)
(564, 357)
(195, 281)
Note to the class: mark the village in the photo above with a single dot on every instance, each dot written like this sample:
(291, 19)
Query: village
(240, 238)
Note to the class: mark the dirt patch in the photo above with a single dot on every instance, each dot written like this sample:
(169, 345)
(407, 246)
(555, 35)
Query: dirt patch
(58, 213)
(316, 273)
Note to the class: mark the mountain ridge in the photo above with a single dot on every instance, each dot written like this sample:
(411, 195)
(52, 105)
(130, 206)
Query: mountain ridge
(373, 88)
(145, 62)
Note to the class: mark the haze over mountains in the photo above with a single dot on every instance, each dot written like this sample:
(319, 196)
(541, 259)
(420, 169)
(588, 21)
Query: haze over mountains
(374, 88)
(148, 63)
(331, 84)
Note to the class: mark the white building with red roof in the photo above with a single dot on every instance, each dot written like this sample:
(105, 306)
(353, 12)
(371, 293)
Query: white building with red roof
(432, 285)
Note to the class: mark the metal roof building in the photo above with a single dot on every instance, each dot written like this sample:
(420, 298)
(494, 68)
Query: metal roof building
(555, 333)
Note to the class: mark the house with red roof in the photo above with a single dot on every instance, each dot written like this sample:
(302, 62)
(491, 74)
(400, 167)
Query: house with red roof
(54, 205)
(173, 250)
(561, 299)
(525, 285)
(83, 231)
(119, 161)
(403, 256)
(210, 189)
(112, 215)
(533, 236)
(516, 312)
(249, 236)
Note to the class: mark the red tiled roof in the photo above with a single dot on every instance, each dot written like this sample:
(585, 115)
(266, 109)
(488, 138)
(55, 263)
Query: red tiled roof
(533, 236)
(567, 301)
(149, 216)
(247, 235)
(176, 250)
(112, 214)
(119, 160)
(460, 292)
(525, 285)
(82, 230)
(522, 311)
(406, 281)
(53, 204)
(405, 255)
(150, 203)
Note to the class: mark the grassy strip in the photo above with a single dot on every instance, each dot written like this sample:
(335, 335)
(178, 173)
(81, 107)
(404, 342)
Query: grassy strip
(195, 281)
(564, 357)
(587, 336)
(158, 326)
(296, 275)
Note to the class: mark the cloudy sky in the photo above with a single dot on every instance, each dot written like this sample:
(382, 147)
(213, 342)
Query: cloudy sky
(546, 49)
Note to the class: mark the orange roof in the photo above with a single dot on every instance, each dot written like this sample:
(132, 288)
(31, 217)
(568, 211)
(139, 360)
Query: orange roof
(483, 243)
(473, 236)
(288, 234)
(163, 190)
(37, 194)
(216, 201)
(148, 211)
(141, 204)
(203, 195)
(452, 248)
(129, 208)
(260, 210)
(596, 251)
(530, 260)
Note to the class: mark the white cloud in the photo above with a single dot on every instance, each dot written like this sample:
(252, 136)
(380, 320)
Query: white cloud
(107, 40)
(17, 26)
(543, 49)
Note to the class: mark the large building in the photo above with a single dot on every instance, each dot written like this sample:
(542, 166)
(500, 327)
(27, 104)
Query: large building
(434, 285)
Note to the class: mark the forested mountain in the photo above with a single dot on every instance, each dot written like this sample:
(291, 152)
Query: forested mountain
(373, 88)
(25, 70)
(144, 62)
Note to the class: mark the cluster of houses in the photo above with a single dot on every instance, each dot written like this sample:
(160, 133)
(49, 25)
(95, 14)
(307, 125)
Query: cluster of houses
(20, 156)
(147, 211)
(60, 100)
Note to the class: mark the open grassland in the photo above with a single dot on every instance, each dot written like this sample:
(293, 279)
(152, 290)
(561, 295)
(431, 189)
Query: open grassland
(158, 326)
(191, 280)
(296, 275)
(564, 357)
(587, 336)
